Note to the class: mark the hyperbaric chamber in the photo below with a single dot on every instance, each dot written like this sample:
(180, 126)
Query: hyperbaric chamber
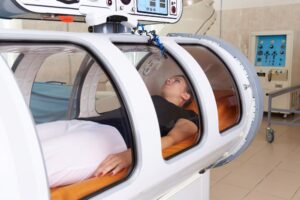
(110, 79)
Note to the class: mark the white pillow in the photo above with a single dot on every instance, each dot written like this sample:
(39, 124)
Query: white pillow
(74, 149)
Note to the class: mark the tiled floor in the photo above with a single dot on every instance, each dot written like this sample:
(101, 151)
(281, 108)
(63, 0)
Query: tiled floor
(264, 171)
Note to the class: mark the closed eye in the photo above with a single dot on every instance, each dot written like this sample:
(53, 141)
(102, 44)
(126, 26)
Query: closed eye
(177, 80)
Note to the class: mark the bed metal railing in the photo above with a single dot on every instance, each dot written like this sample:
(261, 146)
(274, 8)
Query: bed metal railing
(294, 122)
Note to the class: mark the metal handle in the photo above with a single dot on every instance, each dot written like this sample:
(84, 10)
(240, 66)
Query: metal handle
(270, 76)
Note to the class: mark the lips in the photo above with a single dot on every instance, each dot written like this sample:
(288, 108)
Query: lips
(167, 85)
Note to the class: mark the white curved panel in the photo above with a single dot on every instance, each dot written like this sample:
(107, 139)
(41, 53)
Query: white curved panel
(22, 171)
(88, 93)
(25, 74)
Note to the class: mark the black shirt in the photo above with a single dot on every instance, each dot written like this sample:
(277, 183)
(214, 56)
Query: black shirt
(168, 114)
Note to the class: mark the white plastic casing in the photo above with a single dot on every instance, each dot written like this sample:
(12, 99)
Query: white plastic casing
(106, 8)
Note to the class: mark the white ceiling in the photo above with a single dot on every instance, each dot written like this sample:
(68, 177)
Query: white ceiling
(237, 4)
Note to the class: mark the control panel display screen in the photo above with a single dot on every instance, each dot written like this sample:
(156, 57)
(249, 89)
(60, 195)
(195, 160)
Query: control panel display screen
(270, 51)
(159, 7)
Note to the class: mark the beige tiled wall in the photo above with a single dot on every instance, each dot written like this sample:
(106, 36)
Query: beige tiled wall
(237, 24)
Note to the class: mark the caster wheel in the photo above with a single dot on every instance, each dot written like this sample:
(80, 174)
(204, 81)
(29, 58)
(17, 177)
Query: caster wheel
(270, 135)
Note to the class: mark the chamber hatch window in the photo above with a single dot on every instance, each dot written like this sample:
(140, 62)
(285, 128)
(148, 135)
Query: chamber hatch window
(222, 83)
(172, 95)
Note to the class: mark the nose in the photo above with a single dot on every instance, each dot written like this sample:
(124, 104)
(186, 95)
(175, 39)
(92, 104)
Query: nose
(168, 81)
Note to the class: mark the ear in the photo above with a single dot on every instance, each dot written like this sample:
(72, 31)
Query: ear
(185, 96)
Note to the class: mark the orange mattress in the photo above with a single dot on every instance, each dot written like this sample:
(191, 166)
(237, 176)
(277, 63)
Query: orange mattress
(228, 112)
(79, 190)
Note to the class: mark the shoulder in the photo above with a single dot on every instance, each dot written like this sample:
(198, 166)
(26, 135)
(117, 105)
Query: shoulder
(191, 113)
(191, 116)
(158, 100)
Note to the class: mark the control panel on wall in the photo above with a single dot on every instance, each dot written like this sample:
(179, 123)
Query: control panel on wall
(271, 54)
(270, 51)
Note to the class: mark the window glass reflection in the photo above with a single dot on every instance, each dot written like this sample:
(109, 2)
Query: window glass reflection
(222, 83)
